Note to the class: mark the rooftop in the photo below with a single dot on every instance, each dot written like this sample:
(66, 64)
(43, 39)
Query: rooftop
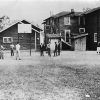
(91, 10)
(64, 13)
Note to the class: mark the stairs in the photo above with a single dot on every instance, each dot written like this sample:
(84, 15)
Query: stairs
(66, 45)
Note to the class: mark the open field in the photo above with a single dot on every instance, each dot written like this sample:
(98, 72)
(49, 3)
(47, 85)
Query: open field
(75, 75)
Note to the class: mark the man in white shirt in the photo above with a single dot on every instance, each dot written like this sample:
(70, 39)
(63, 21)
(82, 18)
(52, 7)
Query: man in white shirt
(18, 51)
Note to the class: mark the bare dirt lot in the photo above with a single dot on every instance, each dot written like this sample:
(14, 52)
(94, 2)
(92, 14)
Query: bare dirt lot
(72, 76)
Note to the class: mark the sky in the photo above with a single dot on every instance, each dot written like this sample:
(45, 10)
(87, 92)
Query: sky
(38, 10)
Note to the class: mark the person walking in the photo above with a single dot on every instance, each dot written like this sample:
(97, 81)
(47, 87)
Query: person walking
(2, 52)
(18, 51)
(12, 49)
(58, 47)
(55, 50)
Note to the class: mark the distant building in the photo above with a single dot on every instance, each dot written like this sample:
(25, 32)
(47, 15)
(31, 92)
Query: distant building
(69, 27)
(10, 34)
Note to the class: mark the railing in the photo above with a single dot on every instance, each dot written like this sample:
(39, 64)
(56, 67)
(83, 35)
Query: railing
(66, 42)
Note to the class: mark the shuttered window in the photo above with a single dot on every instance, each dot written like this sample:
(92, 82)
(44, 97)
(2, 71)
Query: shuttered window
(81, 30)
(7, 39)
(66, 20)
(95, 37)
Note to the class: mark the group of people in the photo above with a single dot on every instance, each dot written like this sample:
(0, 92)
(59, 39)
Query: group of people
(56, 49)
(12, 47)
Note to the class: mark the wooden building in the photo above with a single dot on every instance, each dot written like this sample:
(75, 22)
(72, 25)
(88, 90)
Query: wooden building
(67, 25)
(92, 27)
(79, 42)
(29, 40)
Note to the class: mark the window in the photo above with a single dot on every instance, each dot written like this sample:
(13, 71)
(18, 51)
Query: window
(66, 20)
(81, 30)
(47, 27)
(67, 36)
(95, 37)
(81, 20)
(7, 39)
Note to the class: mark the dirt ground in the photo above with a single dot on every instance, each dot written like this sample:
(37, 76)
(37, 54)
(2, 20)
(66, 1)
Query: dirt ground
(74, 75)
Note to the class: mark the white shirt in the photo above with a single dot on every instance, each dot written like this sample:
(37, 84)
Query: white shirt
(17, 47)
(2, 48)
(12, 46)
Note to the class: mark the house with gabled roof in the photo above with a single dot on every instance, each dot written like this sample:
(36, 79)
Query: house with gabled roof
(68, 25)
(27, 37)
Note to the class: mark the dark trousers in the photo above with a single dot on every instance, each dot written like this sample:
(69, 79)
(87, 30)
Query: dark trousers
(58, 52)
(1, 55)
(49, 52)
(55, 52)
(12, 52)
(41, 53)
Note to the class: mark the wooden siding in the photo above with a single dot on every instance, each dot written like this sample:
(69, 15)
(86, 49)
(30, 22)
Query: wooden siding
(80, 44)
(92, 26)
(73, 27)
(23, 38)
(59, 23)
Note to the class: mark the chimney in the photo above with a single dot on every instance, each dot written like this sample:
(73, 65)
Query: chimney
(72, 10)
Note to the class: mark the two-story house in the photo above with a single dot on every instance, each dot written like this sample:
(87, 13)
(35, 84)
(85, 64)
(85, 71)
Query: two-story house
(68, 27)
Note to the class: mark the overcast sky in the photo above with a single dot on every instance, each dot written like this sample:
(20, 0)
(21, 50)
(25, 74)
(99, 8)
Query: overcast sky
(38, 10)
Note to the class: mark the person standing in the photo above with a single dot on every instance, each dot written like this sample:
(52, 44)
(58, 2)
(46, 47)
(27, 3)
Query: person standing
(12, 49)
(58, 47)
(44, 47)
(18, 51)
(2, 52)
(55, 50)
(41, 49)
(48, 49)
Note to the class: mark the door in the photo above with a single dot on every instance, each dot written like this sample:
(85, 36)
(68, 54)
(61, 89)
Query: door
(67, 36)
(77, 44)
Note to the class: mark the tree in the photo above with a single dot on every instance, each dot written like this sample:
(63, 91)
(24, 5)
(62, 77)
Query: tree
(4, 22)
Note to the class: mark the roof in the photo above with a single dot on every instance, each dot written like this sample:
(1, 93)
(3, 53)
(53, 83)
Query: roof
(79, 36)
(61, 14)
(64, 13)
(91, 10)
(53, 35)
(76, 14)
(18, 21)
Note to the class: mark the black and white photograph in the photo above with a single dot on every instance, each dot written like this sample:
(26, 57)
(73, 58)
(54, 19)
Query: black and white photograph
(49, 50)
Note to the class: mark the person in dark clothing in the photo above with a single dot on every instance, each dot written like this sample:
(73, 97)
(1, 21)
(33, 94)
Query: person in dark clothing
(58, 48)
(98, 48)
(41, 49)
(12, 49)
(49, 49)
(55, 50)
